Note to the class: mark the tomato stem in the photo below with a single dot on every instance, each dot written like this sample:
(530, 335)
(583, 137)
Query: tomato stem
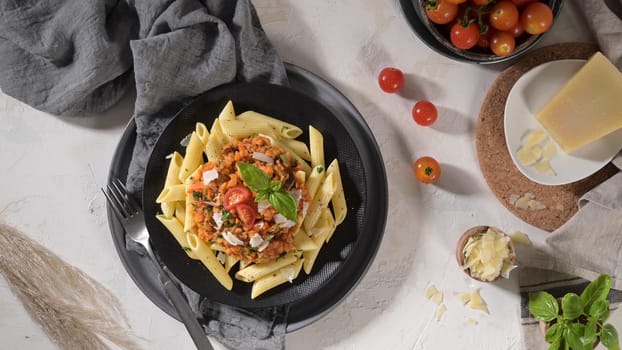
(428, 171)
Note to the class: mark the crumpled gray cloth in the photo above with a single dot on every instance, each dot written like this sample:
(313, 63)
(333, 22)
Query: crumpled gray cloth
(74, 58)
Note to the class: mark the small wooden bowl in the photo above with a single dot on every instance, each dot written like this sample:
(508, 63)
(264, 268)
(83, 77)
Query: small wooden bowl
(463, 240)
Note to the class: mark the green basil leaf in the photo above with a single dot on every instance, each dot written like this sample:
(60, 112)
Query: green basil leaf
(262, 196)
(590, 331)
(609, 337)
(598, 289)
(574, 335)
(553, 333)
(572, 306)
(600, 310)
(556, 345)
(285, 204)
(253, 177)
(275, 186)
(543, 306)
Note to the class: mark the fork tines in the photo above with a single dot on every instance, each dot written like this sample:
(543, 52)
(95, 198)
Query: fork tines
(121, 201)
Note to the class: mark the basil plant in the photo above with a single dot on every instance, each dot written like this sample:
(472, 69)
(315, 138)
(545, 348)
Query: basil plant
(579, 322)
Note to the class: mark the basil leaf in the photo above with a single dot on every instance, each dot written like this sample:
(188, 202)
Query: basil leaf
(543, 306)
(554, 333)
(574, 335)
(253, 177)
(556, 345)
(572, 306)
(609, 337)
(598, 289)
(285, 204)
(590, 331)
(275, 186)
(262, 196)
(600, 310)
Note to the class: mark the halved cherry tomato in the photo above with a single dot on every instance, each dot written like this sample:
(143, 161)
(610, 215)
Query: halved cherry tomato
(504, 15)
(427, 170)
(441, 11)
(424, 113)
(536, 18)
(502, 43)
(391, 79)
(235, 196)
(246, 214)
(464, 36)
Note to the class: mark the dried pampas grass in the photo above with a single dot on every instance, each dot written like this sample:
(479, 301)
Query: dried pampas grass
(72, 308)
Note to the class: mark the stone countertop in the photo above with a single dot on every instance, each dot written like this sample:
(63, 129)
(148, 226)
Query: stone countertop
(54, 168)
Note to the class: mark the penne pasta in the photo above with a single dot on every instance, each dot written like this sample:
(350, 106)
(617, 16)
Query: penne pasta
(255, 271)
(177, 230)
(286, 274)
(227, 113)
(298, 147)
(311, 255)
(316, 145)
(303, 242)
(320, 201)
(208, 258)
(172, 194)
(193, 157)
(213, 147)
(286, 130)
(338, 201)
(168, 209)
(202, 132)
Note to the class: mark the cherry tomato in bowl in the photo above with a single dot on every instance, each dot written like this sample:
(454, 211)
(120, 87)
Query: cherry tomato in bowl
(441, 11)
(504, 15)
(427, 170)
(391, 79)
(424, 113)
(464, 35)
(536, 18)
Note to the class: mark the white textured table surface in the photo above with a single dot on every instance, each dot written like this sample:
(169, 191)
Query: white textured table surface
(54, 167)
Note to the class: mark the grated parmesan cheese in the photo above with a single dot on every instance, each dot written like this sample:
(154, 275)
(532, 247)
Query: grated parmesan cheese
(487, 255)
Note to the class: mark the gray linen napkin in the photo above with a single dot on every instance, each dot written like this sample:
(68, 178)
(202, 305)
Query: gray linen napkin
(74, 58)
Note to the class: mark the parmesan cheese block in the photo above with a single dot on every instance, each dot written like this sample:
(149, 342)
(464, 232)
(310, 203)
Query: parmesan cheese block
(587, 107)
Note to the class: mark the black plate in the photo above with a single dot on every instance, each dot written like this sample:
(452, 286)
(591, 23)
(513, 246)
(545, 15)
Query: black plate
(341, 263)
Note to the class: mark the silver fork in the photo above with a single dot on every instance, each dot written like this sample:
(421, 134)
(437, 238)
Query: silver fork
(131, 216)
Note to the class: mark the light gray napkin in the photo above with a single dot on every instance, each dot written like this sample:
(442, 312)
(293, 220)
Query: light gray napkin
(70, 57)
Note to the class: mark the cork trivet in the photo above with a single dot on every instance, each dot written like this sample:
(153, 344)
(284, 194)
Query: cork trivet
(502, 176)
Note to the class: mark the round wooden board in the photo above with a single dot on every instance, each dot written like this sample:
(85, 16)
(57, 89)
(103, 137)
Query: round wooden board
(502, 176)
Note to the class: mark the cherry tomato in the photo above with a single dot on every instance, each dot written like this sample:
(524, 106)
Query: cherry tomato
(484, 39)
(536, 18)
(235, 196)
(482, 2)
(424, 113)
(517, 31)
(427, 170)
(246, 214)
(391, 79)
(520, 3)
(504, 15)
(502, 43)
(441, 11)
(464, 36)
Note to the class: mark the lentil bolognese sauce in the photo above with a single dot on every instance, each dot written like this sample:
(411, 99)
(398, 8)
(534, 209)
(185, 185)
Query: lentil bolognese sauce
(230, 214)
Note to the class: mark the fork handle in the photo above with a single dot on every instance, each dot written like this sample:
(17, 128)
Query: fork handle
(187, 315)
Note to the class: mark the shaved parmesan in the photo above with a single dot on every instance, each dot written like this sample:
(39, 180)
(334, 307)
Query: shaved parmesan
(288, 273)
(549, 151)
(232, 239)
(464, 297)
(470, 320)
(262, 206)
(476, 302)
(525, 157)
(283, 222)
(221, 257)
(520, 238)
(209, 176)
(263, 157)
(486, 254)
(217, 220)
(513, 198)
(433, 294)
(536, 150)
(544, 167)
(534, 137)
(186, 140)
(169, 156)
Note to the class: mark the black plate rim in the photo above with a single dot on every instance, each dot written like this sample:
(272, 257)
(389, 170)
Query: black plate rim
(342, 108)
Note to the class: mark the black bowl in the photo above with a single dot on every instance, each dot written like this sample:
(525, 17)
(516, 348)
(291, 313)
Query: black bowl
(437, 36)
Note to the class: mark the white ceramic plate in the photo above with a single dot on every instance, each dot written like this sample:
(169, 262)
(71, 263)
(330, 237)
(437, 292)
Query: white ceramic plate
(530, 93)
